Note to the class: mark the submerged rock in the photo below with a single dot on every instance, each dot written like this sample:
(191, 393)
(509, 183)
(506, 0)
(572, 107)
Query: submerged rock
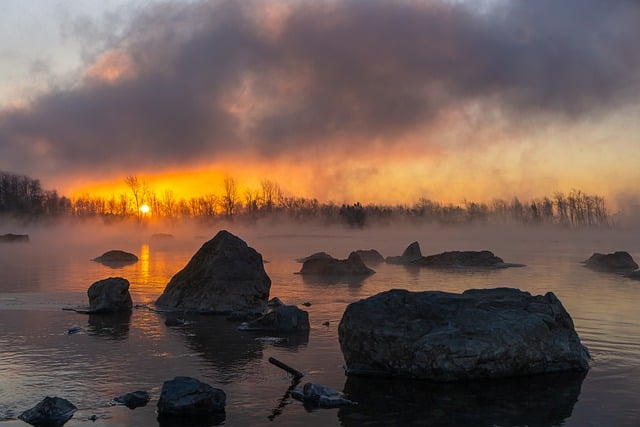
(186, 396)
(320, 396)
(14, 238)
(134, 399)
(50, 412)
(116, 258)
(635, 275)
(411, 254)
(370, 256)
(441, 336)
(224, 276)
(284, 318)
(464, 259)
(617, 261)
(110, 296)
(331, 267)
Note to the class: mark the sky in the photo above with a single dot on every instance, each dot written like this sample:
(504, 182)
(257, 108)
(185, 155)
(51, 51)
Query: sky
(343, 100)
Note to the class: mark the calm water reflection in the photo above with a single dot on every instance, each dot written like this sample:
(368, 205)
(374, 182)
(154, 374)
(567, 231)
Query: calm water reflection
(115, 354)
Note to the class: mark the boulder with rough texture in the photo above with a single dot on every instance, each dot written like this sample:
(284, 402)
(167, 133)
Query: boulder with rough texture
(116, 257)
(50, 412)
(134, 399)
(187, 396)
(370, 256)
(463, 259)
(283, 318)
(411, 254)
(110, 296)
(331, 267)
(617, 261)
(441, 336)
(224, 276)
(14, 238)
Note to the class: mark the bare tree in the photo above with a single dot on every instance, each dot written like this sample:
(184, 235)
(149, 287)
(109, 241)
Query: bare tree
(230, 198)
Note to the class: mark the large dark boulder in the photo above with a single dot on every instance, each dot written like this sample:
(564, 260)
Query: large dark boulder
(370, 256)
(186, 396)
(331, 267)
(116, 258)
(463, 259)
(617, 261)
(411, 254)
(110, 296)
(224, 276)
(283, 318)
(50, 412)
(14, 238)
(488, 333)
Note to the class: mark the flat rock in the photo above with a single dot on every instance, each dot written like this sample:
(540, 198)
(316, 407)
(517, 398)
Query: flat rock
(441, 336)
(110, 296)
(463, 259)
(331, 267)
(224, 276)
(50, 412)
(116, 258)
(14, 238)
(284, 318)
(617, 261)
(411, 254)
(187, 396)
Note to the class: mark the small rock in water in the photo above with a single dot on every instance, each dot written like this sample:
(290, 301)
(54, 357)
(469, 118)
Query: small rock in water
(93, 417)
(306, 304)
(326, 323)
(133, 400)
(74, 330)
(320, 396)
(272, 340)
(50, 412)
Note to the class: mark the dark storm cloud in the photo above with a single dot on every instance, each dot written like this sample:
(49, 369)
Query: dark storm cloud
(326, 73)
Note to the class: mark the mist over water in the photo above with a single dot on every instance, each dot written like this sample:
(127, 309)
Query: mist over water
(115, 355)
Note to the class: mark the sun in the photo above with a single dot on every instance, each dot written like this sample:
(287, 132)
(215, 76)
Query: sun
(145, 209)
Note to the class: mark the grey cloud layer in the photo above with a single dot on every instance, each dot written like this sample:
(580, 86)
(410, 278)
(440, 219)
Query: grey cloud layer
(331, 72)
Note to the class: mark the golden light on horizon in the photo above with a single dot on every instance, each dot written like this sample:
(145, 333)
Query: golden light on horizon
(145, 209)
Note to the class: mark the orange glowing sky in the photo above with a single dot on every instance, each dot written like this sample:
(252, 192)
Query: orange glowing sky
(379, 101)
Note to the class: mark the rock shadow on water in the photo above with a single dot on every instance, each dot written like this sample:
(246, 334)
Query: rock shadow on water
(222, 347)
(538, 400)
(110, 325)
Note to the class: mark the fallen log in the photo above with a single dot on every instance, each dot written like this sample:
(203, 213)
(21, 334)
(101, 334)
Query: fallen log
(296, 374)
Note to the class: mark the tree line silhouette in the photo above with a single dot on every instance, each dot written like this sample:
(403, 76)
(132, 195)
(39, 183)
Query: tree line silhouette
(23, 197)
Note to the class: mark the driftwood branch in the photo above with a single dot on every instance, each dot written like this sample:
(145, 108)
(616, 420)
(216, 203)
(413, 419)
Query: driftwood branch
(296, 374)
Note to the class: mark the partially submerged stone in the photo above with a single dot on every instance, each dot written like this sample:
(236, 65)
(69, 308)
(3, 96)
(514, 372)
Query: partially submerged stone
(284, 318)
(617, 261)
(224, 276)
(110, 296)
(331, 267)
(441, 336)
(463, 259)
(317, 255)
(320, 396)
(187, 396)
(14, 238)
(134, 399)
(116, 258)
(50, 412)
(411, 254)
